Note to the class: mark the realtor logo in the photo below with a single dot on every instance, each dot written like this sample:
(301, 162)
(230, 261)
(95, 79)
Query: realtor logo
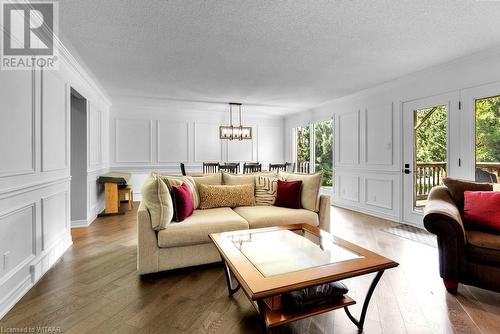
(28, 30)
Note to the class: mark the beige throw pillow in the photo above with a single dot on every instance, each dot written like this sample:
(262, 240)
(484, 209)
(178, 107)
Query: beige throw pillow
(175, 180)
(209, 179)
(228, 178)
(215, 196)
(156, 197)
(311, 184)
(265, 190)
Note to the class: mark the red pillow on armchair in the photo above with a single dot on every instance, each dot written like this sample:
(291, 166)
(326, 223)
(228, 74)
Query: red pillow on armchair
(482, 208)
(183, 202)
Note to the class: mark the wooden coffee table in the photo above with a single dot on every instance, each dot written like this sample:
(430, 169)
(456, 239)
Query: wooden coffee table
(267, 262)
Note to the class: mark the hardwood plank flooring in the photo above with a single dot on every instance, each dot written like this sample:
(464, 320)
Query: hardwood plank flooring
(94, 288)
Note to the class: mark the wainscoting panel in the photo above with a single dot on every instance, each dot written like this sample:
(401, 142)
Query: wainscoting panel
(240, 150)
(379, 135)
(134, 141)
(55, 218)
(17, 120)
(17, 239)
(94, 140)
(379, 192)
(173, 141)
(347, 128)
(270, 144)
(207, 145)
(348, 186)
(54, 122)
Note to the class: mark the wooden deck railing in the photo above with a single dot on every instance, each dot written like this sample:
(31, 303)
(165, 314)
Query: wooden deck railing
(430, 174)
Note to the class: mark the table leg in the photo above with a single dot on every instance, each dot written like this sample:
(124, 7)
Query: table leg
(111, 197)
(359, 323)
(229, 279)
(262, 317)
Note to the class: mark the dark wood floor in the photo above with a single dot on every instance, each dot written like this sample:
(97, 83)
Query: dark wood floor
(94, 288)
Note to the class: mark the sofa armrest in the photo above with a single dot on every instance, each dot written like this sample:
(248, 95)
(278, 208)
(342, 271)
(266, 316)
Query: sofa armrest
(442, 217)
(147, 243)
(324, 212)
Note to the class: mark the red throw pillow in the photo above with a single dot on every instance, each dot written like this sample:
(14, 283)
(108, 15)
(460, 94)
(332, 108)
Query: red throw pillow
(482, 208)
(183, 202)
(288, 194)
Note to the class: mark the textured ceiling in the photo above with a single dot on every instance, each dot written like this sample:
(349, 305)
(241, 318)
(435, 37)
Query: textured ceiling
(281, 56)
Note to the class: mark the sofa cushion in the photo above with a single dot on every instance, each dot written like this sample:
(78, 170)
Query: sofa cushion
(175, 180)
(213, 196)
(483, 247)
(267, 216)
(157, 199)
(228, 178)
(311, 184)
(196, 228)
(208, 179)
(458, 187)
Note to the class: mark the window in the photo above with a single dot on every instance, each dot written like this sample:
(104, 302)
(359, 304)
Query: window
(314, 150)
(323, 151)
(487, 113)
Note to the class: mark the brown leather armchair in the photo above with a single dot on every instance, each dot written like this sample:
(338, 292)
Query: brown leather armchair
(466, 255)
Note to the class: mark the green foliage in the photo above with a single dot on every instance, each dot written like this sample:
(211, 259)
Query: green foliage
(303, 140)
(323, 148)
(431, 139)
(323, 138)
(488, 129)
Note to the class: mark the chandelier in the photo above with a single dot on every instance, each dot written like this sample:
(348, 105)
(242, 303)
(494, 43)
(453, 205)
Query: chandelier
(232, 132)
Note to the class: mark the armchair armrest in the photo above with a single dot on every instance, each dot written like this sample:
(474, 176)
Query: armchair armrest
(442, 218)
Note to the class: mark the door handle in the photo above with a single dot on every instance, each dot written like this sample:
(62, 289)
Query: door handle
(407, 171)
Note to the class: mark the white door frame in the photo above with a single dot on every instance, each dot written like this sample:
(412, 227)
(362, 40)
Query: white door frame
(468, 125)
(410, 215)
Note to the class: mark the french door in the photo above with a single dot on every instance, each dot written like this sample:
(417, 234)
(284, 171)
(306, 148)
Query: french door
(430, 131)
(455, 134)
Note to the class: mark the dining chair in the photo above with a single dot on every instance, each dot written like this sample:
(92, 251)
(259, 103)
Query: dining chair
(183, 169)
(277, 167)
(290, 167)
(251, 167)
(211, 167)
(303, 167)
(230, 167)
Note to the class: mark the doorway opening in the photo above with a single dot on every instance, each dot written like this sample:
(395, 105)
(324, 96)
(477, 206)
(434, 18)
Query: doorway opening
(78, 159)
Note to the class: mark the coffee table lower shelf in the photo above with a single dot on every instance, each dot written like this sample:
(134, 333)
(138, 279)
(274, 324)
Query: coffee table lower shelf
(278, 317)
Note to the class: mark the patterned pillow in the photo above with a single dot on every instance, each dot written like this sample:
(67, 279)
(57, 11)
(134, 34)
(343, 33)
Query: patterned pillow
(172, 180)
(215, 196)
(265, 190)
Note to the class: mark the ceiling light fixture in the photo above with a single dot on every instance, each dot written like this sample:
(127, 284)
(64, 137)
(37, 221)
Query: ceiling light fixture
(231, 132)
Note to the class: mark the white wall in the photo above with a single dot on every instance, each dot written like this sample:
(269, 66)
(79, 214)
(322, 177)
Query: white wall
(35, 170)
(368, 132)
(149, 135)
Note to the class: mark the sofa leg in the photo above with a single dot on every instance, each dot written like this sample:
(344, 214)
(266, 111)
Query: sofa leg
(451, 286)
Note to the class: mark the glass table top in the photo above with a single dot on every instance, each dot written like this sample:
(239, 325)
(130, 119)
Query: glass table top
(285, 251)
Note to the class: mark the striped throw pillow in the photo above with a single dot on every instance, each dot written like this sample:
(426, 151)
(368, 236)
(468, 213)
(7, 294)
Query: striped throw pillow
(265, 190)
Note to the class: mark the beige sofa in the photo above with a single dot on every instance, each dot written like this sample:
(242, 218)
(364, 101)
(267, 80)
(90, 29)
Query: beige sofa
(187, 244)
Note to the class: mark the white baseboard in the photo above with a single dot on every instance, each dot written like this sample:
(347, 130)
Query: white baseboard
(37, 268)
(79, 223)
(8, 302)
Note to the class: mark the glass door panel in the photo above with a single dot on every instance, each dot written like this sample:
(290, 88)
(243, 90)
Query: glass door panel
(487, 139)
(323, 141)
(430, 151)
(303, 148)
